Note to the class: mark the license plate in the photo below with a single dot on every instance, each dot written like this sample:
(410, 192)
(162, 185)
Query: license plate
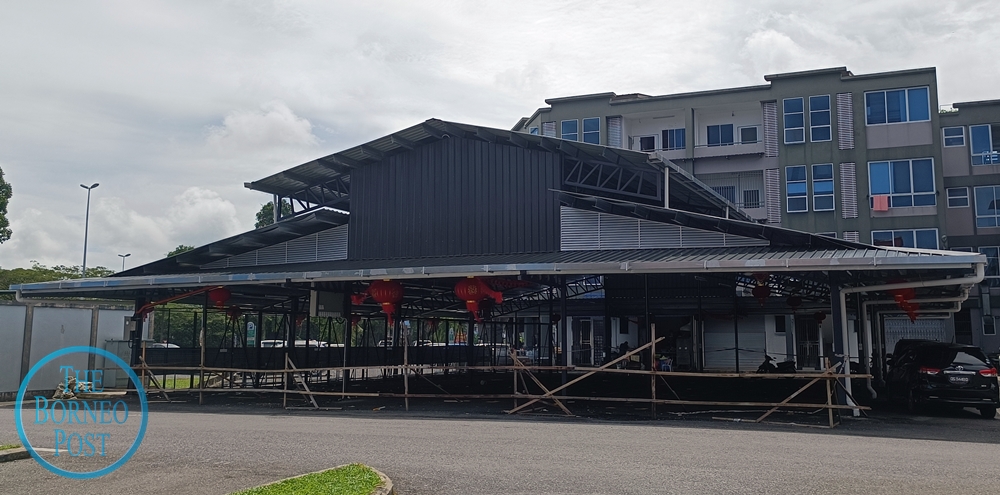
(958, 379)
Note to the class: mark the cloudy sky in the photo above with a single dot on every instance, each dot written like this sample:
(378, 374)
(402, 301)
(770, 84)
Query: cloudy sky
(172, 106)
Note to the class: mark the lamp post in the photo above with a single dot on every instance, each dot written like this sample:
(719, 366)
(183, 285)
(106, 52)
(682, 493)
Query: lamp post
(123, 256)
(86, 228)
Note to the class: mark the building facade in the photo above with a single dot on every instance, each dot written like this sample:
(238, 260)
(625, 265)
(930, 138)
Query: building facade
(866, 158)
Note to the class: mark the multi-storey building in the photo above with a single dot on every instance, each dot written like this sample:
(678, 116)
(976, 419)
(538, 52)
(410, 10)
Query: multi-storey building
(864, 157)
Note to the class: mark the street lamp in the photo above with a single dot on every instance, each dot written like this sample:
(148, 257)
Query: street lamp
(86, 228)
(123, 256)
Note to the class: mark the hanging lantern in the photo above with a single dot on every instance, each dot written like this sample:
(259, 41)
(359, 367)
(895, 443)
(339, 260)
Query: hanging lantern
(473, 290)
(219, 296)
(761, 293)
(761, 277)
(355, 319)
(912, 312)
(793, 302)
(388, 293)
(359, 299)
(819, 316)
(555, 318)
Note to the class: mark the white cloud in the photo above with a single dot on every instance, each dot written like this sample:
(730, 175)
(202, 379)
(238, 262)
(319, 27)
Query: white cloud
(273, 126)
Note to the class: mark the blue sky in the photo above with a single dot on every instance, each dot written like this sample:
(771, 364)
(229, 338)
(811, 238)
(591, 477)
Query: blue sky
(172, 106)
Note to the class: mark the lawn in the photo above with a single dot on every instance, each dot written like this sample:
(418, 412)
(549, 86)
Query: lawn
(176, 381)
(8, 446)
(353, 479)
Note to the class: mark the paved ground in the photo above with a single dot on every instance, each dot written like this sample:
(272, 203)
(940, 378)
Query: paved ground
(217, 449)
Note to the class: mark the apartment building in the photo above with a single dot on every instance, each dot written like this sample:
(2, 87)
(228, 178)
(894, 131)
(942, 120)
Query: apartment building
(862, 157)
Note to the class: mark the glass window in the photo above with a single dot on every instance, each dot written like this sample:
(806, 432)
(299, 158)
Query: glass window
(822, 187)
(920, 238)
(987, 214)
(748, 134)
(794, 120)
(954, 136)
(906, 182)
(592, 130)
(992, 254)
(647, 143)
(985, 145)
(673, 139)
(720, 135)
(958, 197)
(570, 130)
(795, 189)
(897, 105)
(533, 130)
(819, 118)
(918, 104)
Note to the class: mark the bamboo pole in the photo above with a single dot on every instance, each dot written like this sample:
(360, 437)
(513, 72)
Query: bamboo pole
(652, 366)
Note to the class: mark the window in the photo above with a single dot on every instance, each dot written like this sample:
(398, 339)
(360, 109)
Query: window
(823, 187)
(533, 131)
(985, 144)
(992, 254)
(795, 189)
(987, 205)
(592, 130)
(647, 143)
(748, 135)
(751, 198)
(571, 130)
(954, 136)
(728, 192)
(897, 105)
(673, 139)
(720, 135)
(794, 120)
(920, 238)
(906, 182)
(819, 118)
(958, 197)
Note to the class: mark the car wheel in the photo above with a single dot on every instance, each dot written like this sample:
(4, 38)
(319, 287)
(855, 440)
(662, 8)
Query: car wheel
(988, 412)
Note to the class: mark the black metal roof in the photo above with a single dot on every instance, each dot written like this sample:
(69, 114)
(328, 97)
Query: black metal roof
(269, 235)
(325, 181)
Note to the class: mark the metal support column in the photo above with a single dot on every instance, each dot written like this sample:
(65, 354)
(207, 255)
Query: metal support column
(563, 334)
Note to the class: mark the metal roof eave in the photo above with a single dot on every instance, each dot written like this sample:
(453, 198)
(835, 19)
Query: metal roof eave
(962, 261)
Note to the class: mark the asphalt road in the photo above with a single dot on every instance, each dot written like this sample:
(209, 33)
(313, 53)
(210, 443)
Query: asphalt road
(218, 449)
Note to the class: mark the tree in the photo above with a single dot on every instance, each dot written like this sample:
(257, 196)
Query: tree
(181, 248)
(265, 216)
(42, 273)
(5, 193)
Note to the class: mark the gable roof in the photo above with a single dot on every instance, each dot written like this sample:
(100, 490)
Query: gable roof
(325, 181)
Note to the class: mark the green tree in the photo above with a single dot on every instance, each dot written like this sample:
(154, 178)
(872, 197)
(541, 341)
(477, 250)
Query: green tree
(5, 193)
(265, 216)
(42, 273)
(181, 248)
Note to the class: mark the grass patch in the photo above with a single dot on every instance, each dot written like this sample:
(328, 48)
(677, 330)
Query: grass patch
(8, 446)
(176, 382)
(353, 479)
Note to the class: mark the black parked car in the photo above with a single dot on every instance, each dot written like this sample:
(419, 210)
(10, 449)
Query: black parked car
(942, 373)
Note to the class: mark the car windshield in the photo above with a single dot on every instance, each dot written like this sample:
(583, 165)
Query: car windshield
(942, 357)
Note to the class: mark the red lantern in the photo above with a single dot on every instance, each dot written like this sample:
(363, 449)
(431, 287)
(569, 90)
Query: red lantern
(794, 302)
(761, 277)
(219, 296)
(472, 290)
(819, 316)
(355, 319)
(761, 292)
(388, 293)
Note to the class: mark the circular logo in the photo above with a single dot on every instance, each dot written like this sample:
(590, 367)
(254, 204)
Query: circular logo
(86, 425)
